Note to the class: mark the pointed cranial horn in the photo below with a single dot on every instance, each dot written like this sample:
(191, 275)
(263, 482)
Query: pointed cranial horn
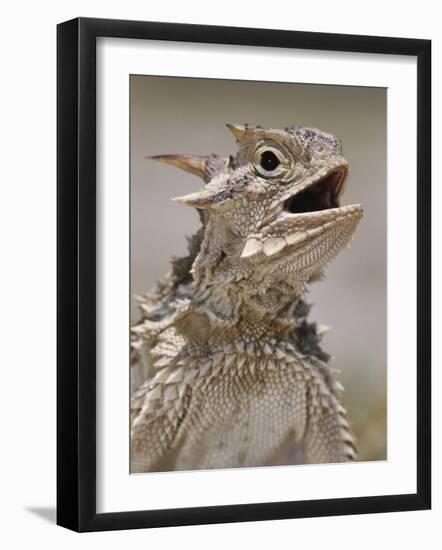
(237, 130)
(200, 199)
(193, 164)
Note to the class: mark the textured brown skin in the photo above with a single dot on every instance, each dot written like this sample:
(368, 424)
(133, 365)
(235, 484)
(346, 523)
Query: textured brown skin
(228, 371)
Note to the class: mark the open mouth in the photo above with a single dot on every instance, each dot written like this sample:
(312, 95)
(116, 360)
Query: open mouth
(322, 195)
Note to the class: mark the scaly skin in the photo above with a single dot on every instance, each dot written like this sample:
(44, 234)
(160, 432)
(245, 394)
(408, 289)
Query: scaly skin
(228, 371)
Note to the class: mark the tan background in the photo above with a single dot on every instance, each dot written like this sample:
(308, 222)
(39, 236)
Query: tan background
(180, 115)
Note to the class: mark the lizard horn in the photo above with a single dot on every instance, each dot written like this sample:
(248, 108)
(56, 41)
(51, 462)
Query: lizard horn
(200, 199)
(193, 164)
(237, 130)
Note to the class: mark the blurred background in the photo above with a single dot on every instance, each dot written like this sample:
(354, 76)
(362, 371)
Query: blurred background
(186, 115)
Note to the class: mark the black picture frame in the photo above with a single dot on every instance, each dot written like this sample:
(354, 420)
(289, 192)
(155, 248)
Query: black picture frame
(76, 273)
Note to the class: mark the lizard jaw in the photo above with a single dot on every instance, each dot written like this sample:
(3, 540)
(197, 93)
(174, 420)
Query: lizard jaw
(306, 215)
(290, 232)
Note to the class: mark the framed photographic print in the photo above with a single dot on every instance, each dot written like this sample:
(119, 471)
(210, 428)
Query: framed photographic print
(198, 380)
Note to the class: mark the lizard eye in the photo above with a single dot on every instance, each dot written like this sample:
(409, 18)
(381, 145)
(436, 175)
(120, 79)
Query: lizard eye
(269, 161)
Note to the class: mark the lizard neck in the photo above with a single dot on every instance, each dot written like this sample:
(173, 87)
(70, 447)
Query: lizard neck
(244, 310)
(232, 292)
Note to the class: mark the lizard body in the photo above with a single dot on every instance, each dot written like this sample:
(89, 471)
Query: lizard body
(229, 372)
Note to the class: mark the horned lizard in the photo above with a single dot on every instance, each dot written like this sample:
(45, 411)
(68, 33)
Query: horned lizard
(229, 372)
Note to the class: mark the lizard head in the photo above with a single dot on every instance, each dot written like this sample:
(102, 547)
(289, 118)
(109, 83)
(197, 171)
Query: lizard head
(273, 209)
